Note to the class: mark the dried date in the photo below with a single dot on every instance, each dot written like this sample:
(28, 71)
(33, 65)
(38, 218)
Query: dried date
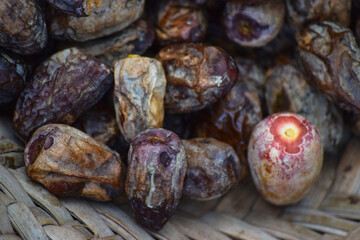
(197, 75)
(304, 12)
(111, 17)
(79, 8)
(155, 178)
(288, 91)
(331, 58)
(231, 120)
(69, 162)
(212, 168)
(139, 94)
(22, 26)
(253, 25)
(13, 75)
(180, 21)
(135, 39)
(63, 87)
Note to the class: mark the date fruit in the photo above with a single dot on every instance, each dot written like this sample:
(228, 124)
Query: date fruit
(111, 17)
(212, 168)
(285, 157)
(22, 26)
(288, 91)
(78, 8)
(63, 87)
(331, 58)
(254, 25)
(180, 21)
(197, 75)
(155, 178)
(139, 94)
(69, 162)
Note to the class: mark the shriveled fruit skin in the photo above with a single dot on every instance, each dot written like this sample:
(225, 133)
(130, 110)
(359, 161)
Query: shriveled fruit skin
(156, 171)
(111, 17)
(212, 168)
(62, 87)
(197, 75)
(22, 26)
(139, 95)
(331, 59)
(285, 163)
(78, 8)
(69, 162)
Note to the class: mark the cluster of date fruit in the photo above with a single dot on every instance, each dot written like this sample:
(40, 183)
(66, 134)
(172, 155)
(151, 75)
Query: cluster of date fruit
(110, 107)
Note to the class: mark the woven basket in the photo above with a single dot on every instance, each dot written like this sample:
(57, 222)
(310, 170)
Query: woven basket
(330, 211)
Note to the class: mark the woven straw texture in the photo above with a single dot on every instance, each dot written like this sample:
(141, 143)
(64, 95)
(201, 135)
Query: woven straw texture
(330, 211)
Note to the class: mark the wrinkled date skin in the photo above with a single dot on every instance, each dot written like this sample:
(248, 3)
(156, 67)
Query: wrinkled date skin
(62, 87)
(197, 75)
(254, 25)
(22, 26)
(13, 75)
(304, 12)
(139, 92)
(180, 22)
(79, 8)
(69, 162)
(285, 157)
(232, 120)
(155, 178)
(212, 168)
(111, 17)
(331, 59)
(288, 91)
(135, 39)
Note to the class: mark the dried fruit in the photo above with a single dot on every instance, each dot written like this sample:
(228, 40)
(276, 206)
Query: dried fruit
(254, 25)
(197, 75)
(304, 12)
(285, 157)
(22, 26)
(212, 168)
(139, 94)
(111, 17)
(68, 162)
(135, 39)
(231, 120)
(13, 75)
(156, 172)
(62, 87)
(79, 8)
(180, 21)
(288, 91)
(331, 58)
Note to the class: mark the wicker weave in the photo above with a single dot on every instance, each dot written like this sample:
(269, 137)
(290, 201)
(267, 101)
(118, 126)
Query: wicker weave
(330, 211)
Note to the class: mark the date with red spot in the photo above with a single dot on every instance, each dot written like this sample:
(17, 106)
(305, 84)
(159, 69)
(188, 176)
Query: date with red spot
(285, 155)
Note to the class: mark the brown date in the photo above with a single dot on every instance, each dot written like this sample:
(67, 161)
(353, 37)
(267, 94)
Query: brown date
(155, 178)
(231, 120)
(62, 87)
(111, 17)
(253, 25)
(180, 21)
(22, 26)
(139, 94)
(79, 8)
(197, 75)
(212, 168)
(331, 58)
(13, 75)
(304, 12)
(135, 39)
(288, 91)
(69, 162)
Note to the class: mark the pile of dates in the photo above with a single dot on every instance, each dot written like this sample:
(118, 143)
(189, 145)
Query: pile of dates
(157, 99)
